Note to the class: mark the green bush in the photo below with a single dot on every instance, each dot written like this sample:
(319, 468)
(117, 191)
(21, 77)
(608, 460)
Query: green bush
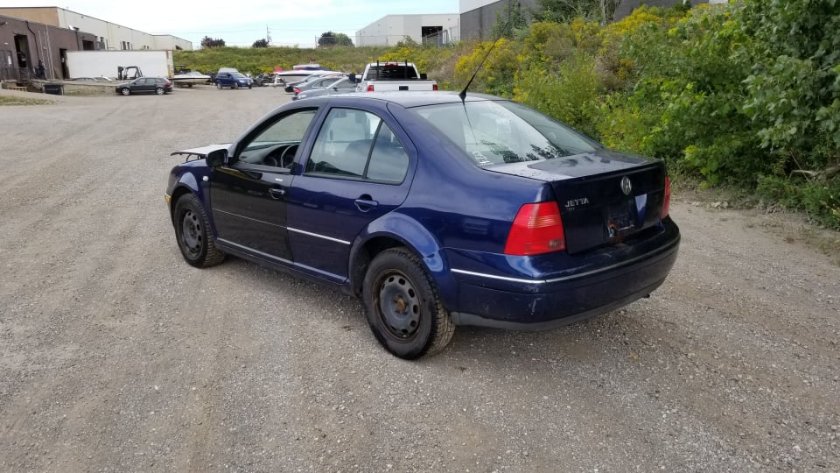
(819, 198)
(498, 72)
(570, 94)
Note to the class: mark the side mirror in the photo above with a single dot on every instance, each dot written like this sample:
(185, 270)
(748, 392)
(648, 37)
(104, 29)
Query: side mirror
(216, 158)
(335, 88)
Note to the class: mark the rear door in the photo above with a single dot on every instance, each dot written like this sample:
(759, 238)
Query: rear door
(358, 170)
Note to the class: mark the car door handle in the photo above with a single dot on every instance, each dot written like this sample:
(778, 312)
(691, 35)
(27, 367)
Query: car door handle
(276, 193)
(365, 203)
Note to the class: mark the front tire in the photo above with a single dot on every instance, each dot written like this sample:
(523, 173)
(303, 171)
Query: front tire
(192, 230)
(235, 86)
(402, 306)
(159, 91)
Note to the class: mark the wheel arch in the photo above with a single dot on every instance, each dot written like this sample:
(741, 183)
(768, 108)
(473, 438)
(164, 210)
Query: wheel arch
(400, 230)
(187, 183)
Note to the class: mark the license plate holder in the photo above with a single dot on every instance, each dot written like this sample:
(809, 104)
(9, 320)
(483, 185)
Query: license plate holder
(621, 219)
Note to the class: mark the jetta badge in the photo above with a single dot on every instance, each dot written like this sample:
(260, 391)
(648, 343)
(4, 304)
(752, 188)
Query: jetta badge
(626, 185)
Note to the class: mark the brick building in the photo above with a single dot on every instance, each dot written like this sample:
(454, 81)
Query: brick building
(29, 49)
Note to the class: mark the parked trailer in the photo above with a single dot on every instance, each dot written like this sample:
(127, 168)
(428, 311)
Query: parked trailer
(107, 63)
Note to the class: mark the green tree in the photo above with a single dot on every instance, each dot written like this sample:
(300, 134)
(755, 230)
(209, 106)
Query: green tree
(330, 39)
(327, 40)
(562, 11)
(342, 39)
(794, 88)
(208, 42)
(260, 43)
(510, 22)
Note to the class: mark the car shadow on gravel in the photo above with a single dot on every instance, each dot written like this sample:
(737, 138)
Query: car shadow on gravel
(585, 341)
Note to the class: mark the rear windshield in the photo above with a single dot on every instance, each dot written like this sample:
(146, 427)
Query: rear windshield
(494, 133)
(391, 71)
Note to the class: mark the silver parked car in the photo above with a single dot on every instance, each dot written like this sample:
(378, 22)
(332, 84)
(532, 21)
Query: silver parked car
(344, 85)
(314, 82)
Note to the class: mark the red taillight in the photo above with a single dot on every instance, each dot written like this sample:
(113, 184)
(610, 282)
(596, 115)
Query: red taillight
(666, 203)
(434, 87)
(370, 88)
(297, 91)
(536, 229)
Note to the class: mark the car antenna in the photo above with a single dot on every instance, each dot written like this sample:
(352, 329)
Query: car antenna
(463, 93)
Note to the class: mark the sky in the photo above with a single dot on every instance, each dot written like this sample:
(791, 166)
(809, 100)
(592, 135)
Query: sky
(241, 22)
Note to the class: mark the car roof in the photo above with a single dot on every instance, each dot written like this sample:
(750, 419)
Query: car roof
(407, 99)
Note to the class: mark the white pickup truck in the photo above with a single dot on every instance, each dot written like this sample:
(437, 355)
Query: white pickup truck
(392, 76)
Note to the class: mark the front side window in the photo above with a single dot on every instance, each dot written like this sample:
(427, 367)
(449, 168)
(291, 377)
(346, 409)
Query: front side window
(277, 144)
(358, 145)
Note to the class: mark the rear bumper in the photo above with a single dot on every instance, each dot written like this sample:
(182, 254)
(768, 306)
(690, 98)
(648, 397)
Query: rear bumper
(539, 304)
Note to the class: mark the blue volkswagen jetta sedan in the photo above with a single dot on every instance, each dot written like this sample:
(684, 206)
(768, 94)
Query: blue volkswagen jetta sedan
(437, 212)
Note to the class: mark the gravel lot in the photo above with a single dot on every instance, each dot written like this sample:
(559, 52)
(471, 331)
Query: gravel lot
(115, 355)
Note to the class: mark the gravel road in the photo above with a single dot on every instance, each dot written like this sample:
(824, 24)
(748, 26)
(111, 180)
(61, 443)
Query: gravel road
(115, 355)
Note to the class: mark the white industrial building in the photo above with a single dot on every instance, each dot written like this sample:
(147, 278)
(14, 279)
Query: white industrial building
(108, 35)
(391, 29)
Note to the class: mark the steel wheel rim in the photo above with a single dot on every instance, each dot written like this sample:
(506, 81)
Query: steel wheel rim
(398, 305)
(192, 237)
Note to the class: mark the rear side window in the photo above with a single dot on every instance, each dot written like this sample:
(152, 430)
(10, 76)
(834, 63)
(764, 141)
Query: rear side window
(358, 145)
(388, 161)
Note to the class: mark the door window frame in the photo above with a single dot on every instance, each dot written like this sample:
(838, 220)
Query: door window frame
(249, 135)
(384, 119)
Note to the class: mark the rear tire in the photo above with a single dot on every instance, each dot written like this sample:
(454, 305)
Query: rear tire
(192, 230)
(402, 306)
(125, 91)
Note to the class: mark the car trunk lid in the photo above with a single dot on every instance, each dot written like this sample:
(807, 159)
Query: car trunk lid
(604, 197)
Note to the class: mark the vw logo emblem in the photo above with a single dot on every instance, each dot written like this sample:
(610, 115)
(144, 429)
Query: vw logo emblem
(626, 185)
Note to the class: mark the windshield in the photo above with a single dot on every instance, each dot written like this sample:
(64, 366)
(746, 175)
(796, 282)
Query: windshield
(504, 132)
(238, 75)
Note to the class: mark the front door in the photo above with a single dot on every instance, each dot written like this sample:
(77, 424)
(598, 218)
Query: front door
(356, 172)
(248, 195)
